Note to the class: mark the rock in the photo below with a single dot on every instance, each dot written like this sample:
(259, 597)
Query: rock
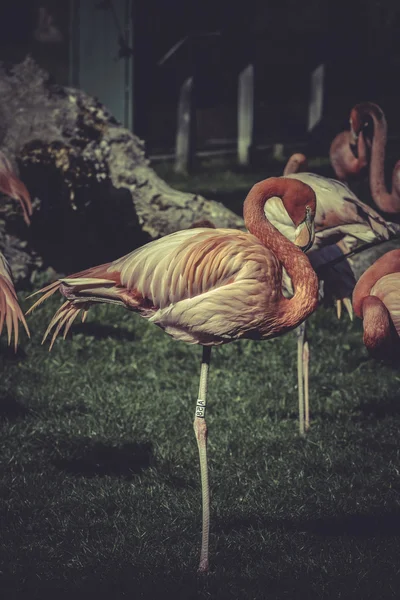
(95, 195)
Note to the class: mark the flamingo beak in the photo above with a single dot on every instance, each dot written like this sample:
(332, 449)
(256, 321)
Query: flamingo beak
(305, 233)
(354, 135)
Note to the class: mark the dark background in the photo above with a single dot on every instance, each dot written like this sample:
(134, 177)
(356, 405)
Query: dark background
(358, 40)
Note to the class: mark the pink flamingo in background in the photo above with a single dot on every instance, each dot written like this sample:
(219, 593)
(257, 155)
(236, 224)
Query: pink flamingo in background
(13, 187)
(348, 154)
(342, 221)
(339, 214)
(296, 164)
(209, 286)
(388, 202)
(10, 311)
(376, 300)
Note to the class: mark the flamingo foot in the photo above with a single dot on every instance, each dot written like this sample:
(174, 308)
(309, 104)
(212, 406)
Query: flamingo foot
(349, 307)
(338, 308)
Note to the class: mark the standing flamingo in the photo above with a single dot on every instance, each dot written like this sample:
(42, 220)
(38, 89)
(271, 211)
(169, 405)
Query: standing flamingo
(376, 300)
(210, 287)
(388, 202)
(10, 311)
(342, 221)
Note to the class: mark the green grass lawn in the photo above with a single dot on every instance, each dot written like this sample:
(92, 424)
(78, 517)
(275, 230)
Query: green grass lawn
(100, 484)
(100, 488)
(221, 179)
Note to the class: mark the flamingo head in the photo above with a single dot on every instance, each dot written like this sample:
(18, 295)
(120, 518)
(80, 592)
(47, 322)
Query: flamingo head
(291, 209)
(361, 115)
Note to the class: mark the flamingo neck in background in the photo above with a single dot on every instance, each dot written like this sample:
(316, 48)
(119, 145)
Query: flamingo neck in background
(387, 202)
(362, 151)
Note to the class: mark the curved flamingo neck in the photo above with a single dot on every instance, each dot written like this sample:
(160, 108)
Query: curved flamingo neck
(386, 201)
(296, 163)
(386, 264)
(362, 152)
(396, 183)
(295, 198)
(379, 332)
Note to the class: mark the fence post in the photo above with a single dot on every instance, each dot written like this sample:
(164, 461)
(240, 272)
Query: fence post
(185, 142)
(245, 114)
(278, 151)
(316, 97)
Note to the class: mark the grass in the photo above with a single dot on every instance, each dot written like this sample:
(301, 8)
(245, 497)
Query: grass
(100, 492)
(221, 179)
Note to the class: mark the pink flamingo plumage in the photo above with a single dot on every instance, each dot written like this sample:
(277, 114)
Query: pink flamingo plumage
(376, 300)
(388, 202)
(349, 154)
(296, 164)
(210, 287)
(10, 311)
(13, 187)
(342, 222)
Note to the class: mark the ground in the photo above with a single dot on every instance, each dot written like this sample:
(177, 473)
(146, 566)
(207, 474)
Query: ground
(99, 470)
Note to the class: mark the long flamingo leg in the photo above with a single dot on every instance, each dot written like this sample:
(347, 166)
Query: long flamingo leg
(200, 429)
(301, 332)
(306, 360)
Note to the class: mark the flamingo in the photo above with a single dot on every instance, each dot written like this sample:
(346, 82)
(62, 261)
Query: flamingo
(342, 221)
(340, 215)
(388, 202)
(11, 186)
(296, 163)
(208, 286)
(348, 154)
(10, 311)
(376, 300)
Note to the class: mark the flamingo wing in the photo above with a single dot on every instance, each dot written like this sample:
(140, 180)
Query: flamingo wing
(11, 186)
(10, 311)
(203, 286)
(340, 213)
(206, 286)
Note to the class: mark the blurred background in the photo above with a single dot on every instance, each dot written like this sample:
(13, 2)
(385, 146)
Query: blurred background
(134, 56)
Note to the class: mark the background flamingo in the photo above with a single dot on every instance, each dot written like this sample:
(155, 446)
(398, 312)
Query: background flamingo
(349, 154)
(296, 164)
(10, 311)
(208, 286)
(11, 186)
(376, 300)
(342, 222)
(339, 214)
(388, 202)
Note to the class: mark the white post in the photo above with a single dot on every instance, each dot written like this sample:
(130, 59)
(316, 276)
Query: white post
(278, 151)
(245, 114)
(185, 128)
(316, 97)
